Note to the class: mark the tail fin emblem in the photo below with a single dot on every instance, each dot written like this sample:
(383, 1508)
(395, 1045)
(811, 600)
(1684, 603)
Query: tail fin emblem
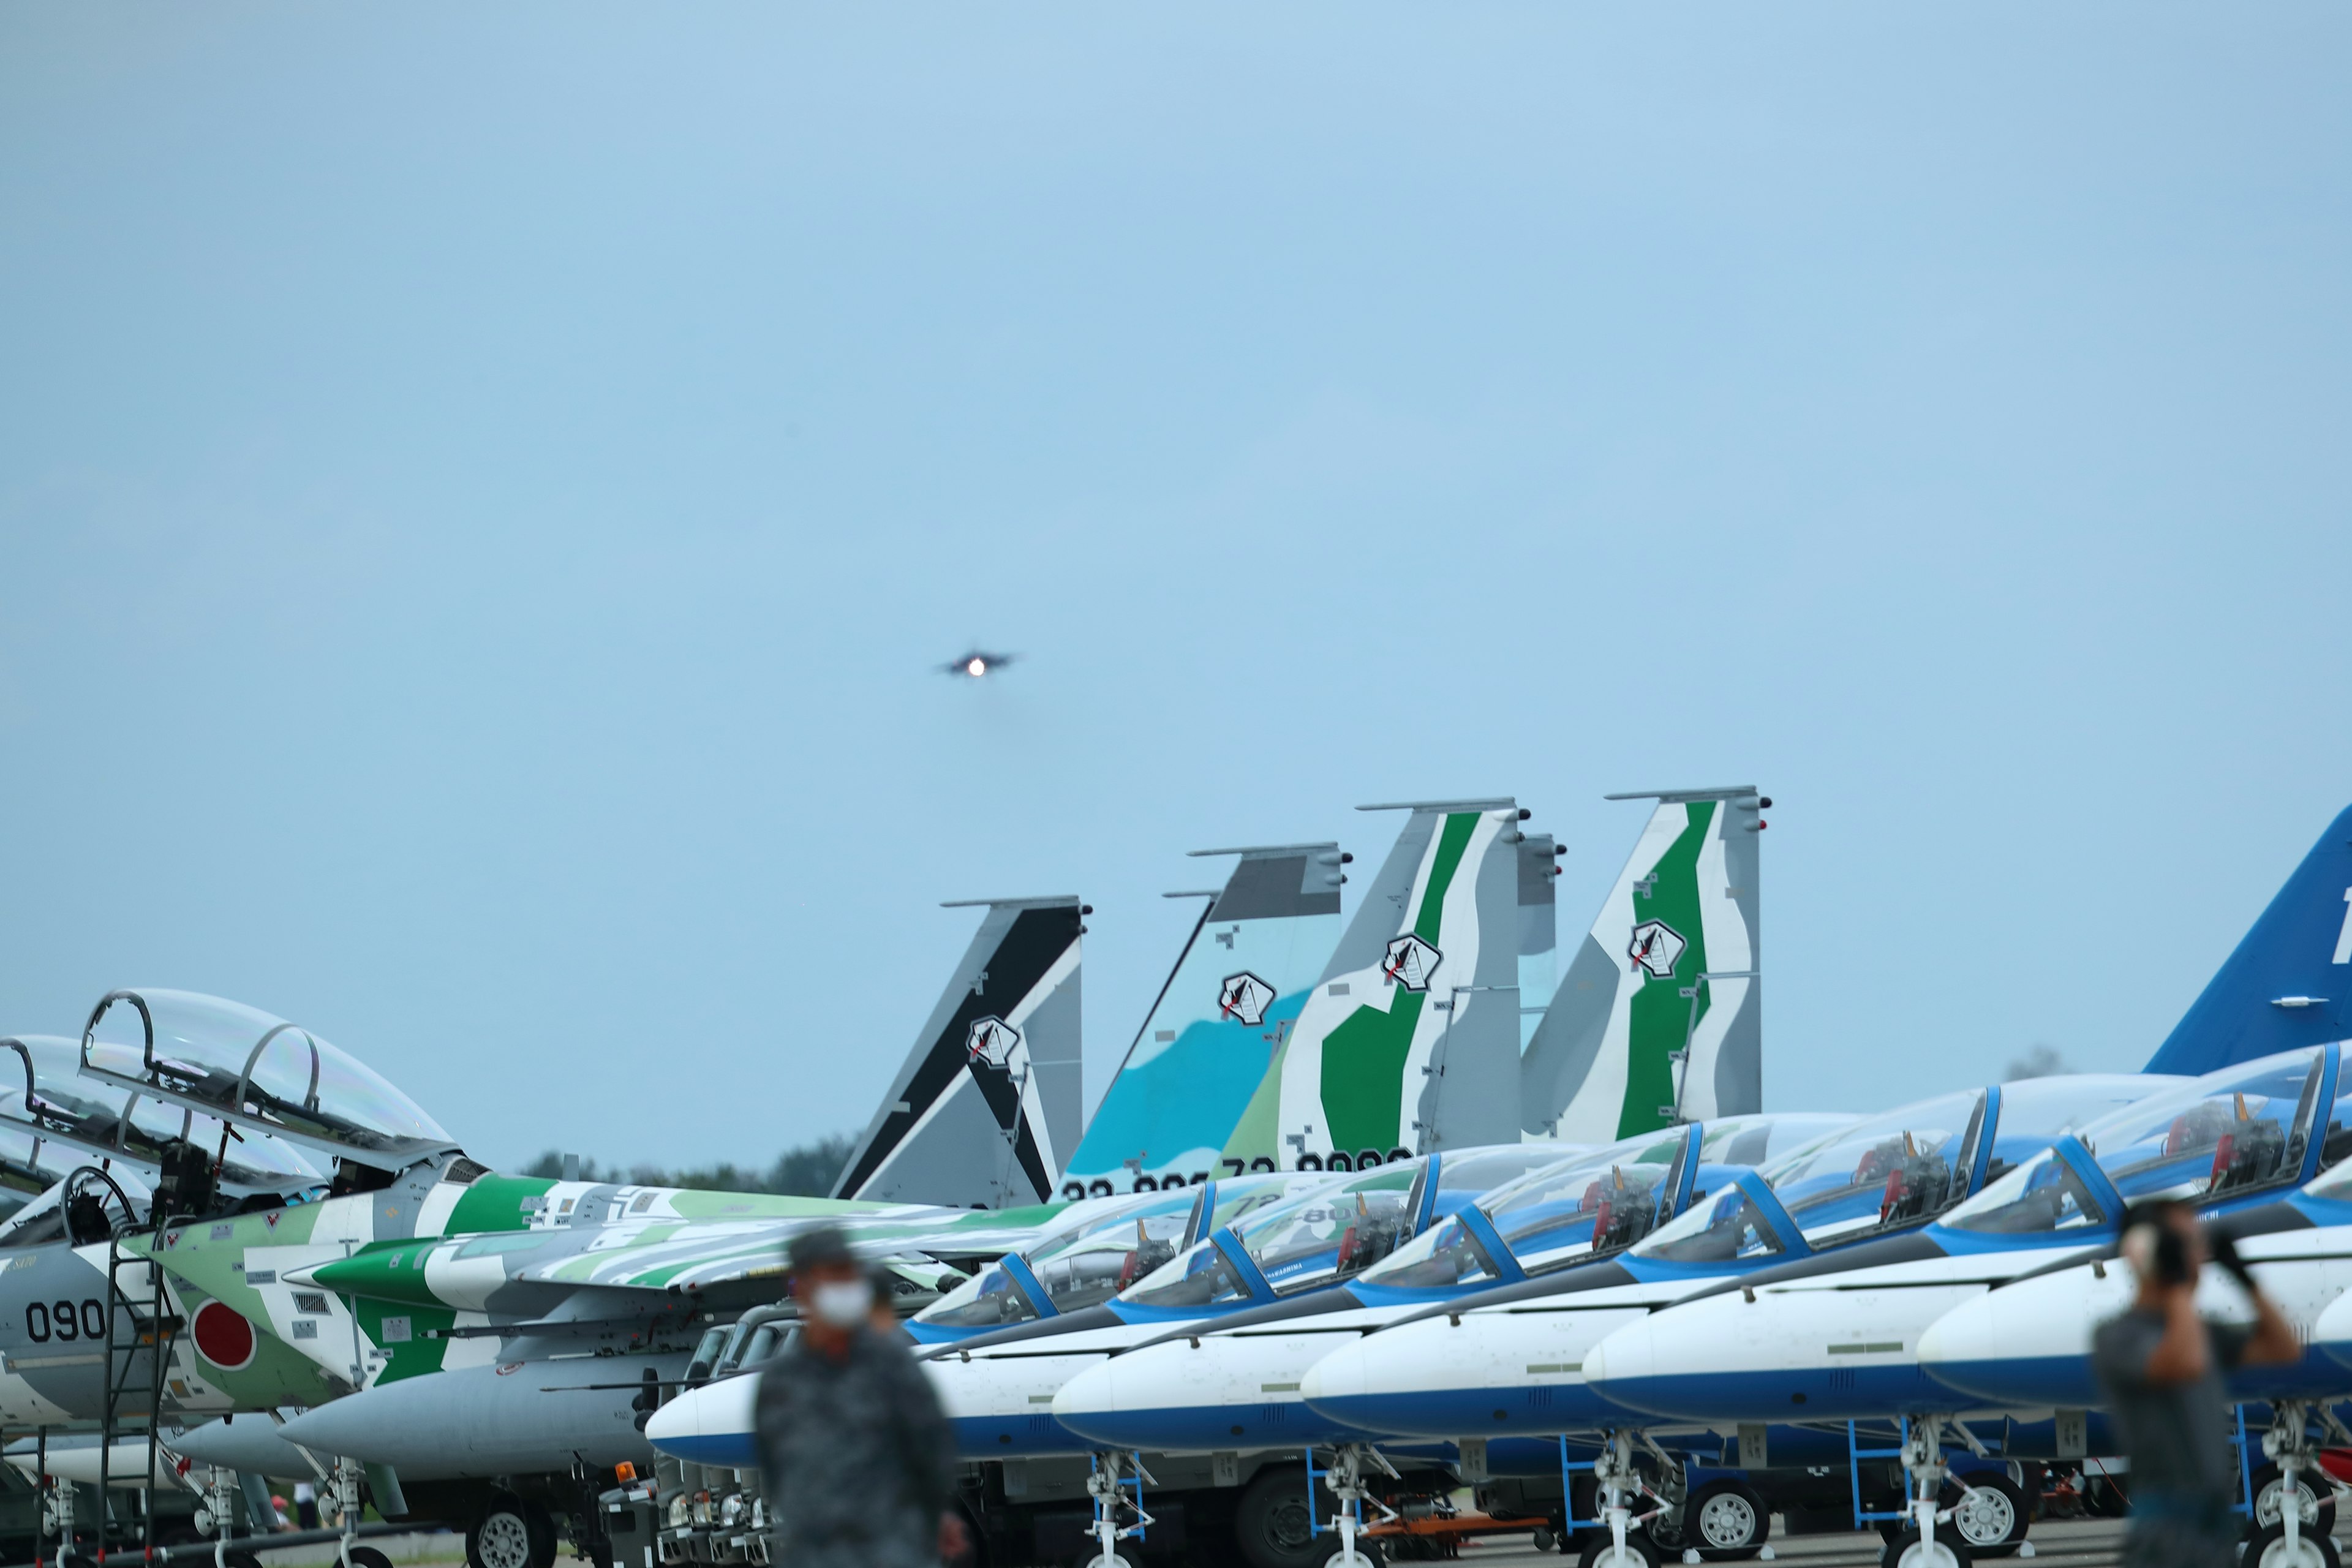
(992, 1043)
(1245, 998)
(1657, 947)
(1411, 961)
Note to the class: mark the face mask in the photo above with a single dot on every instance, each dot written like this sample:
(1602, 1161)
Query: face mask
(843, 1304)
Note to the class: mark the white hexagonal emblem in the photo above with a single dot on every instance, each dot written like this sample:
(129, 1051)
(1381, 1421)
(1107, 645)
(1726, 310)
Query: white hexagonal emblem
(1657, 947)
(993, 1042)
(1245, 998)
(1411, 963)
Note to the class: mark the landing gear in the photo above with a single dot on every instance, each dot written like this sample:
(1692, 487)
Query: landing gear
(2318, 1510)
(501, 1538)
(1346, 1479)
(1617, 1485)
(1274, 1523)
(2291, 1537)
(1725, 1521)
(1107, 1484)
(1925, 1476)
(1988, 1511)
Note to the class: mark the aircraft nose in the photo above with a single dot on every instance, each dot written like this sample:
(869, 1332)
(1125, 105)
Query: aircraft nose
(1107, 1401)
(1342, 1374)
(2332, 1333)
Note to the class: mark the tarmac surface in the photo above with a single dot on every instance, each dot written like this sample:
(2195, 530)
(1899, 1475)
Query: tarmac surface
(2058, 1543)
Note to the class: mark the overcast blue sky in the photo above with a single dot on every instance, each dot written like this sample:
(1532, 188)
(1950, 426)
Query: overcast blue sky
(482, 490)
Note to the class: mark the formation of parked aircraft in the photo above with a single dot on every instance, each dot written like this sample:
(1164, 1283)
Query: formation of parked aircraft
(1376, 1210)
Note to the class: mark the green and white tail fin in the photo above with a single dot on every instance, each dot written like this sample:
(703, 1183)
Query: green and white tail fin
(1410, 1040)
(989, 1101)
(1658, 1018)
(1233, 997)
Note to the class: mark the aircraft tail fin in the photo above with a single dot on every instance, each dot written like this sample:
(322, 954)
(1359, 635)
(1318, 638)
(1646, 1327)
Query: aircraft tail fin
(1658, 1018)
(1410, 1038)
(2289, 981)
(989, 1101)
(1234, 994)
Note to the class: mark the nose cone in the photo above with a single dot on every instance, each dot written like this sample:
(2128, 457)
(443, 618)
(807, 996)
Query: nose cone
(708, 1425)
(1342, 1375)
(1678, 1362)
(250, 1443)
(1102, 1401)
(1472, 1375)
(2028, 1342)
(1202, 1394)
(2333, 1333)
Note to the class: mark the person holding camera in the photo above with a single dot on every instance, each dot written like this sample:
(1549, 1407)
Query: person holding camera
(2163, 1367)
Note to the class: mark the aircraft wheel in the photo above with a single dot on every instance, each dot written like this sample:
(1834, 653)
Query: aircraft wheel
(1099, 1561)
(501, 1538)
(2268, 1550)
(544, 1539)
(1907, 1551)
(1989, 1511)
(1727, 1520)
(1368, 1555)
(1641, 1551)
(369, 1557)
(1273, 1525)
(2318, 1512)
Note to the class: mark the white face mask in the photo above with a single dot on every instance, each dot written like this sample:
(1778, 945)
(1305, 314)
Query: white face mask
(843, 1304)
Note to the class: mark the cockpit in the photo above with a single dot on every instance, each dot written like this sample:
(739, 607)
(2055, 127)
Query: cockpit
(64, 1118)
(1896, 1171)
(1120, 1242)
(2239, 1132)
(1343, 1226)
(225, 1059)
(1589, 1206)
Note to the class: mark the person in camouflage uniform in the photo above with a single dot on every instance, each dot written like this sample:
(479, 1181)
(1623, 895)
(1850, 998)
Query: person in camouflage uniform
(856, 1455)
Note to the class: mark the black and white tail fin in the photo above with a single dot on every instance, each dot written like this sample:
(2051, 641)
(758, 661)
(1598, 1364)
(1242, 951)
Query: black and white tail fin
(990, 1100)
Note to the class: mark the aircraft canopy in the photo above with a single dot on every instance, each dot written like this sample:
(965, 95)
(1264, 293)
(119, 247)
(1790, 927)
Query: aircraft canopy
(248, 1066)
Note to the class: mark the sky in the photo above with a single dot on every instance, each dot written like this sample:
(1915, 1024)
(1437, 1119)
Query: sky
(483, 492)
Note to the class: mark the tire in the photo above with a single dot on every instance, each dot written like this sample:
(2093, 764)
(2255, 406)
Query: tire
(1641, 1551)
(369, 1557)
(1273, 1522)
(1096, 1560)
(2318, 1509)
(1727, 1520)
(502, 1538)
(1366, 1550)
(2268, 1550)
(543, 1538)
(1991, 1512)
(1906, 1551)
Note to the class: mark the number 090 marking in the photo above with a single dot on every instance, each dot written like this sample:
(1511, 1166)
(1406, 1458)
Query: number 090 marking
(66, 1319)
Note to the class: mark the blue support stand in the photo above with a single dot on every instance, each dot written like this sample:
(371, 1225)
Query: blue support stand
(1855, 1453)
(1567, 1489)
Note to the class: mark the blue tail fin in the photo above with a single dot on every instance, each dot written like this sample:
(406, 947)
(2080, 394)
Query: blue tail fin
(2289, 983)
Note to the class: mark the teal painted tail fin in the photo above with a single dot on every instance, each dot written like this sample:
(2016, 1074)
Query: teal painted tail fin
(1190, 1076)
(1658, 1018)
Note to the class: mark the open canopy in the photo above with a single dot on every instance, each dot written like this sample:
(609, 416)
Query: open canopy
(248, 1066)
(46, 1103)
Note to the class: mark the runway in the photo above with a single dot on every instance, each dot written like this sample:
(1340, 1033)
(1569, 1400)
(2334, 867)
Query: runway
(2058, 1543)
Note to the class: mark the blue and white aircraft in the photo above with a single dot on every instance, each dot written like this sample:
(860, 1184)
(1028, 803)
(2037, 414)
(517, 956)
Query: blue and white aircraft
(1504, 1369)
(2282, 987)
(1566, 1225)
